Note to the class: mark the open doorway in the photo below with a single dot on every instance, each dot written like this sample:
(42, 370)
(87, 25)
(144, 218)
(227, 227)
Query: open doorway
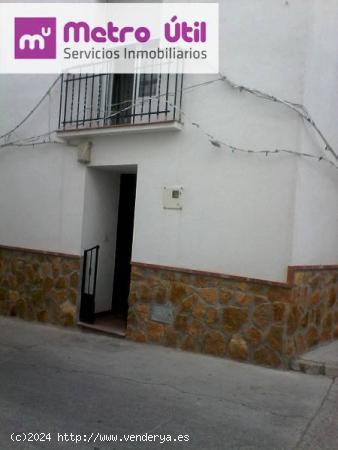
(124, 241)
(108, 227)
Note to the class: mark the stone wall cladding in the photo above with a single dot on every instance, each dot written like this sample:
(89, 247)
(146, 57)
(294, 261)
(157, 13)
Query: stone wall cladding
(247, 320)
(314, 316)
(39, 286)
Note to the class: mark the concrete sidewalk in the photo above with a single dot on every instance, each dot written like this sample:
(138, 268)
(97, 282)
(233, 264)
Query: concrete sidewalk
(61, 381)
(320, 361)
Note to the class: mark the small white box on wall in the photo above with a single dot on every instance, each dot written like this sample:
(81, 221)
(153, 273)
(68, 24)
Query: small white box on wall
(172, 197)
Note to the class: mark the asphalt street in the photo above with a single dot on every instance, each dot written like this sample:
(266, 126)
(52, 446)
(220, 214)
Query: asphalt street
(58, 386)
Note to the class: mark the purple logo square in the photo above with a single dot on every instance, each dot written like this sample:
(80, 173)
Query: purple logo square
(35, 38)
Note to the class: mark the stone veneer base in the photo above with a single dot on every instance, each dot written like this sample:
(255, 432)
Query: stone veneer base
(37, 285)
(257, 321)
(263, 322)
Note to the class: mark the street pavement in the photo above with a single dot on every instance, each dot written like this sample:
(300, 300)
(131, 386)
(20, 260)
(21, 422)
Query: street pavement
(58, 386)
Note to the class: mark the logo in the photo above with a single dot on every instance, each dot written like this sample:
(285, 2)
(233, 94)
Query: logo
(35, 38)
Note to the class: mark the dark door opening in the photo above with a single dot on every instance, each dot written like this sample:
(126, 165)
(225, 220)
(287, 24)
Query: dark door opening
(124, 242)
(113, 319)
(123, 86)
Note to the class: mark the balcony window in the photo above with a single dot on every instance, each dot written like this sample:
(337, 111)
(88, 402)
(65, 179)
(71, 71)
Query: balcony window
(148, 85)
(110, 100)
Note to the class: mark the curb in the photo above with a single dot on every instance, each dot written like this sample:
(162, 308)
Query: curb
(314, 367)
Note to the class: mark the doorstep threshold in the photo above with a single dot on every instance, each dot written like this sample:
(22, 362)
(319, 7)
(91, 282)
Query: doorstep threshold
(111, 331)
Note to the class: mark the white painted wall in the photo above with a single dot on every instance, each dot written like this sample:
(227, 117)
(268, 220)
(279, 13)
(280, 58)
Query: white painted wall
(41, 199)
(316, 209)
(238, 211)
(243, 214)
(41, 188)
(99, 228)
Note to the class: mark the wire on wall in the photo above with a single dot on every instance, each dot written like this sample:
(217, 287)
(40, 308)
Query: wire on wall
(47, 93)
(298, 108)
(214, 141)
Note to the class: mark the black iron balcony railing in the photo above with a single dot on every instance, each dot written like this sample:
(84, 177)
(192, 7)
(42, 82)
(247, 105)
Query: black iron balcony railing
(103, 100)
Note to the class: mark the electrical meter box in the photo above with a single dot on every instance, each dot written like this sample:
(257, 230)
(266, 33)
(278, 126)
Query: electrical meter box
(172, 197)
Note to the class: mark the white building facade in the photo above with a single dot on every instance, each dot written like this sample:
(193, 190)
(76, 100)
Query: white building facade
(246, 266)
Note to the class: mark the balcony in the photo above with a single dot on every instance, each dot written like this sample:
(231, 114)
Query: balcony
(92, 104)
